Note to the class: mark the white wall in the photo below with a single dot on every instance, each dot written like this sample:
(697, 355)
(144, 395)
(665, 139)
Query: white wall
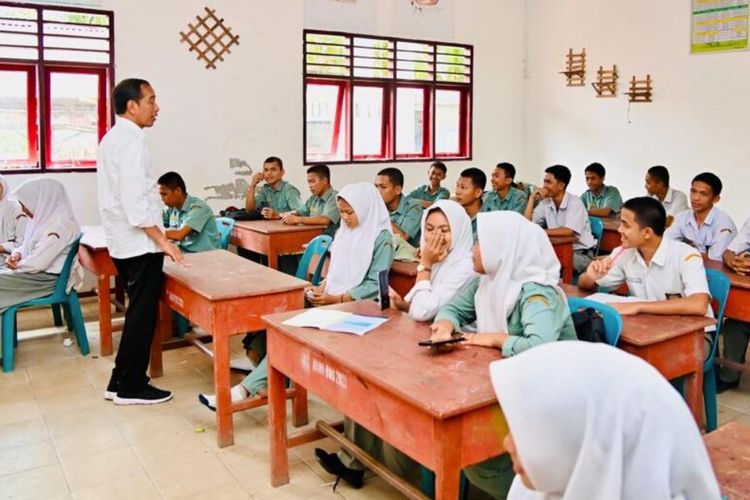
(697, 122)
(251, 106)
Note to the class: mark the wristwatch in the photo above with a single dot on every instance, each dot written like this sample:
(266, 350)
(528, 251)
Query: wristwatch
(421, 268)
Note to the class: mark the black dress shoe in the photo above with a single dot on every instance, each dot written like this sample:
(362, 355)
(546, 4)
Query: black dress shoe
(332, 465)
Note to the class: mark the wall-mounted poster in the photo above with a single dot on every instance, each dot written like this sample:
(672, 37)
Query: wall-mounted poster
(719, 25)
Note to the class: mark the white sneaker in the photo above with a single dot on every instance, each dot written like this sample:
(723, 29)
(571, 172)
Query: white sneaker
(237, 393)
(242, 364)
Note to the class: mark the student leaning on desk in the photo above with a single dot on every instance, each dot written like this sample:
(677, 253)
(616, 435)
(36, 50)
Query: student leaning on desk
(274, 197)
(320, 208)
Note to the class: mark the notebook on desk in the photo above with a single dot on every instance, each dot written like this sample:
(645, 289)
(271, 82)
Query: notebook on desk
(336, 321)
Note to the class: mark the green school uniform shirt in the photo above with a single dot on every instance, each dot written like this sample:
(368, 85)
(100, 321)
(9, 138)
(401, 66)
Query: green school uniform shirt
(408, 217)
(284, 199)
(324, 205)
(382, 258)
(515, 200)
(423, 193)
(197, 215)
(539, 316)
(609, 198)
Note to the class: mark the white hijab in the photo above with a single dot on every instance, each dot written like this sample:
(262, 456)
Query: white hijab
(514, 251)
(352, 249)
(457, 266)
(48, 202)
(7, 213)
(590, 421)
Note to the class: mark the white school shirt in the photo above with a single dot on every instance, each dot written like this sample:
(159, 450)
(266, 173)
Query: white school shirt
(741, 243)
(675, 202)
(128, 194)
(11, 235)
(712, 238)
(676, 270)
(571, 214)
(48, 253)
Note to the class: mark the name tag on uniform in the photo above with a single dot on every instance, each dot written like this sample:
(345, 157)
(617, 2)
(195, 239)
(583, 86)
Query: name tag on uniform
(635, 280)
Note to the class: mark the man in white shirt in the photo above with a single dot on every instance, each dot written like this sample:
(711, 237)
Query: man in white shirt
(657, 186)
(562, 214)
(704, 227)
(131, 214)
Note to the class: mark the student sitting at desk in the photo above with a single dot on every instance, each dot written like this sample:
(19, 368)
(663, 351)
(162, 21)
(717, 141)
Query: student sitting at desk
(320, 208)
(432, 192)
(444, 261)
(274, 197)
(516, 304)
(32, 269)
(667, 275)
(735, 333)
(705, 227)
(363, 247)
(405, 212)
(12, 222)
(469, 191)
(587, 421)
(188, 220)
(657, 187)
(504, 194)
(562, 214)
(600, 200)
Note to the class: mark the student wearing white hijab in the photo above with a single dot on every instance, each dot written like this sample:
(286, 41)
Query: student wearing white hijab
(33, 267)
(444, 261)
(603, 425)
(363, 247)
(12, 221)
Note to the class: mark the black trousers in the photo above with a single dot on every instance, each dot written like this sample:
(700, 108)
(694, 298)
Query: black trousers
(142, 276)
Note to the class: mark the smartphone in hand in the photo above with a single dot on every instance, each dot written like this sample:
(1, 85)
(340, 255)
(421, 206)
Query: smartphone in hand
(449, 340)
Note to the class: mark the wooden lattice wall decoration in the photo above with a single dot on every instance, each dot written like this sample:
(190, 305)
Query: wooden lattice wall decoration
(210, 38)
(640, 90)
(606, 82)
(575, 68)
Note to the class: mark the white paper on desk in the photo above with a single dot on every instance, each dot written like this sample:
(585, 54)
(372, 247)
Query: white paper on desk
(336, 321)
(609, 298)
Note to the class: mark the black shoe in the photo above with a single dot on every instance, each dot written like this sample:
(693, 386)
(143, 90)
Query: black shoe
(149, 395)
(332, 465)
(722, 386)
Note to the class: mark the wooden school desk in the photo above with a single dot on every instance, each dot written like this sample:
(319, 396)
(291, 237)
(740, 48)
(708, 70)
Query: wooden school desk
(672, 344)
(729, 450)
(94, 256)
(225, 295)
(273, 238)
(610, 238)
(563, 247)
(738, 303)
(439, 409)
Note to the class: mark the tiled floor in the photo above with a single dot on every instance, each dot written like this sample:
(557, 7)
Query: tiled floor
(60, 439)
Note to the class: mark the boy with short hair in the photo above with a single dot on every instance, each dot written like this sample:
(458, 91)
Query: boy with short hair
(274, 197)
(562, 214)
(405, 212)
(657, 186)
(504, 194)
(320, 208)
(667, 275)
(704, 227)
(600, 200)
(432, 192)
(469, 190)
(188, 221)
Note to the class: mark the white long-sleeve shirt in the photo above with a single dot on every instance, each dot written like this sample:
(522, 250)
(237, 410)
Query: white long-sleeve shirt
(49, 250)
(128, 194)
(11, 234)
(425, 300)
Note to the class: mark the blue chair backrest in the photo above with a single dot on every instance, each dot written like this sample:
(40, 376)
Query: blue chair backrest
(612, 318)
(718, 287)
(318, 246)
(597, 229)
(224, 225)
(62, 280)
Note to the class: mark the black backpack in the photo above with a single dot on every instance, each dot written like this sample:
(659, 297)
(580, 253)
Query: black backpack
(589, 325)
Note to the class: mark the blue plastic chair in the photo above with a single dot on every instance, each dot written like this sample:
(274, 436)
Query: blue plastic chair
(224, 225)
(70, 304)
(427, 483)
(317, 246)
(612, 318)
(597, 229)
(718, 286)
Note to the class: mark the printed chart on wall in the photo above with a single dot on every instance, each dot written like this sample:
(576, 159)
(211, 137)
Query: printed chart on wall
(719, 25)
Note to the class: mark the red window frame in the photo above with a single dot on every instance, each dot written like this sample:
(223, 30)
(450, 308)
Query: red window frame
(427, 122)
(31, 107)
(464, 116)
(101, 112)
(386, 142)
(341, 109)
